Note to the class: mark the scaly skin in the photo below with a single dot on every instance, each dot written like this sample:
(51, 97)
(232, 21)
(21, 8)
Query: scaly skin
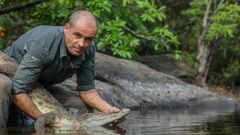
(46, 103)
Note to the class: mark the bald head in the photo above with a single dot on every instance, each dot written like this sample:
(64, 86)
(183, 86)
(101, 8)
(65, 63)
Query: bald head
(83, 16)
(80, 32)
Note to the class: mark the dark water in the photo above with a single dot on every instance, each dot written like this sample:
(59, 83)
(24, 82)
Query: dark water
(217, 121)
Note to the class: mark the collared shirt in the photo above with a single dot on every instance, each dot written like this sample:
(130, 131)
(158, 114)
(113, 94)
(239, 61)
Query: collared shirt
(42, 55)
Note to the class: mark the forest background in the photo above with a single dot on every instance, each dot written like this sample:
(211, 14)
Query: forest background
(203, 33)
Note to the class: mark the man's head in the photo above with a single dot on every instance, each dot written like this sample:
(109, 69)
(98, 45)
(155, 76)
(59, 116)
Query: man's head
(80, 32)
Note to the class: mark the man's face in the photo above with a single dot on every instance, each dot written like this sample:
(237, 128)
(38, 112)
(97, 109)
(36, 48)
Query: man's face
(79, 37)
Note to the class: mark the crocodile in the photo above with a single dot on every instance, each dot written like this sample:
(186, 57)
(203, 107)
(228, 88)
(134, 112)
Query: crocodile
(54, 111)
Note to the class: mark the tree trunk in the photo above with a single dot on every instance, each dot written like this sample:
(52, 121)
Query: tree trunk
(206, 49)
(203, 51)
(204, 59)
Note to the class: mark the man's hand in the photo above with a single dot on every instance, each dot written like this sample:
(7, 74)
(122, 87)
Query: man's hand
(120, 120)
(92, 98)
(111, 109)
(25, 103)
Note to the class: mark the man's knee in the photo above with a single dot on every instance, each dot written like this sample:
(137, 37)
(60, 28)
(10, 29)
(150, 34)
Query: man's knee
(5, 86)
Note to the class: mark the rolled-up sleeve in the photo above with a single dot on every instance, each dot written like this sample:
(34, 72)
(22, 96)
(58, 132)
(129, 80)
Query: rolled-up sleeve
(86, 75)
(28, 71)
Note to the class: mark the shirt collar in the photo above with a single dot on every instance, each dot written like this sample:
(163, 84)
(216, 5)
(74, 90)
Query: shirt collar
(63, 49)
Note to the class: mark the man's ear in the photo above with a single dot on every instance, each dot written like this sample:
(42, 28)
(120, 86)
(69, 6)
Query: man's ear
(66, 27)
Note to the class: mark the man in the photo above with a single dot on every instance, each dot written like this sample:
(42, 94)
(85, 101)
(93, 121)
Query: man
(49, 55)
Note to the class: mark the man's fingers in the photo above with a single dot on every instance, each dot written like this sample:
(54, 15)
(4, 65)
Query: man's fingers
(114, 110)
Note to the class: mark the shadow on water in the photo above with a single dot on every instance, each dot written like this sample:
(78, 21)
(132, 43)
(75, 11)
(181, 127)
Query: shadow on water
(197, 121)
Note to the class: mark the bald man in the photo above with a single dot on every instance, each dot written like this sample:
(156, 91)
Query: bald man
(49, 55)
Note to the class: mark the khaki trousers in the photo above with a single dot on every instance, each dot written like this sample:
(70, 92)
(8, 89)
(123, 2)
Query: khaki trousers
(68, 98)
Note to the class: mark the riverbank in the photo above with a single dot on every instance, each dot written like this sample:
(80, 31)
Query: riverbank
(223, 90)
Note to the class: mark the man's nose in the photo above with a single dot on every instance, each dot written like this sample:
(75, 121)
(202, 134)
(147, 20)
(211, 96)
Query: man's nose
(81, 42)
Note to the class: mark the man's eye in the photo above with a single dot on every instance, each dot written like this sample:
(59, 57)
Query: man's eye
(77, 36)
(89, 39)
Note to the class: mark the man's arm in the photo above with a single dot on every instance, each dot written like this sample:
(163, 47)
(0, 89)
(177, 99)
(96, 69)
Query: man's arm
(92, 98)
(25, 103)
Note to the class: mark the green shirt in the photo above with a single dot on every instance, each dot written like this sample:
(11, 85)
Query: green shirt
(42, 55)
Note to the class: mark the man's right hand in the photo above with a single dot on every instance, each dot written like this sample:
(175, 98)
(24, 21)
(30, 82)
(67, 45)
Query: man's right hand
(25, 103)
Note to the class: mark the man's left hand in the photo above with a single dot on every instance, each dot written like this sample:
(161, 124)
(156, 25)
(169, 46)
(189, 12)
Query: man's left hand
(112, 109)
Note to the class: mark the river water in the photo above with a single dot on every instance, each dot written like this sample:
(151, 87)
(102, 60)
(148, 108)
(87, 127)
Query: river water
(217, 121)
(210, 121)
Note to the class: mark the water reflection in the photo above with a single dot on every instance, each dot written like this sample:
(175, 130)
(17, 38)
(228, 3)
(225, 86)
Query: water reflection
(224, 125)
(197, 121)
(183, 121)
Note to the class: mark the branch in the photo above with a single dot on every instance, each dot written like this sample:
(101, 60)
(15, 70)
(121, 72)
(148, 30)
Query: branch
(205, 23)
(134, 33)
(20, 6)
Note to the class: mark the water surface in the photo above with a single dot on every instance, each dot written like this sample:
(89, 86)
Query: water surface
(215, 121)
(210, 121)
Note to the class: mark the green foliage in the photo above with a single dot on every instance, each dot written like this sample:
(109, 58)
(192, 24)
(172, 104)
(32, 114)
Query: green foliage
(232, 71)
(197, 9)
(127, 24)
(111, 34)
(189, 57)
(223, 18)
(54, 13)
(152, 12)
(226, 66)
(46, 13)
(99, 7)
(223, 30)
(166, 38)
(124, 25)
(224, 22)
(1, 3)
